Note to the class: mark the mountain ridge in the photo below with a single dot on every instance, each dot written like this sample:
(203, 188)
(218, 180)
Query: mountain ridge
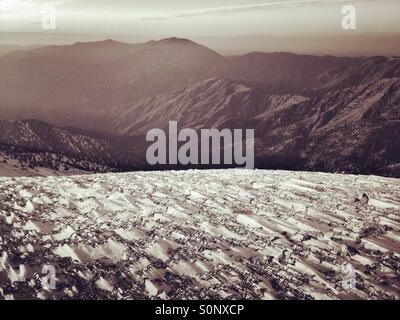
(289, 129)
(296, 103)
(66, 84)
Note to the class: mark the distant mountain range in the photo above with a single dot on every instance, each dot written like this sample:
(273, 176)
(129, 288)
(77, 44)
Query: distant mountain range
(309, 112)
(62, 83)
(72, 85)
(351, 130)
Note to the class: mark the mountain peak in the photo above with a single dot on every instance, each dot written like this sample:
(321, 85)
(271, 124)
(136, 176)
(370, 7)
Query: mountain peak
(101, 43)
(176, 40)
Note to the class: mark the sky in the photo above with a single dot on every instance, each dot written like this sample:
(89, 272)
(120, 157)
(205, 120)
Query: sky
(230, 27)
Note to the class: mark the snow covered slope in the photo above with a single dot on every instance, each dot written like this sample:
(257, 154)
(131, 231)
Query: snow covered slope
(16, 162)
(13, 167)
(200, 234)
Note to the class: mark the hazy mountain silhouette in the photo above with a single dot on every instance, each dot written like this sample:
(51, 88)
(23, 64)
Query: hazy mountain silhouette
(309, 112)
(72, 85)
(66, 84)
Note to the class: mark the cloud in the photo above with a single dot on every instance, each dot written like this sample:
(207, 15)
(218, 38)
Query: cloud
(246, 8)
(20, 6)
(23, 13)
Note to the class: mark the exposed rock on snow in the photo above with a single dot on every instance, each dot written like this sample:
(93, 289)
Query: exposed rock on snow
(200, 234)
